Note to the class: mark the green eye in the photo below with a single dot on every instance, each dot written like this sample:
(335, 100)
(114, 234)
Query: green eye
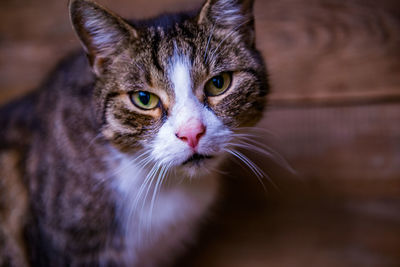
(217, 85)
(145, 100)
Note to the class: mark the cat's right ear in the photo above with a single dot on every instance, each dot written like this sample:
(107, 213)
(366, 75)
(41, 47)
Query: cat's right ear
(101, 32)
(229, 16)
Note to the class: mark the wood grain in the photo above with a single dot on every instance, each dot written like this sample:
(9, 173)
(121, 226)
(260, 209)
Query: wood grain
(334, 114)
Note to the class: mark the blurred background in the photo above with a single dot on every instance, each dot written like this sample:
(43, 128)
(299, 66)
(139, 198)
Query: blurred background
(334, 114)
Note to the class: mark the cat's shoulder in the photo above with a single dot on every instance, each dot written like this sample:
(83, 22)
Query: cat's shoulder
(70, 74)
(22, 116)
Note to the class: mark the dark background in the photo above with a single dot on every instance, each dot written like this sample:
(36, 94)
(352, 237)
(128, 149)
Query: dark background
(334, 114)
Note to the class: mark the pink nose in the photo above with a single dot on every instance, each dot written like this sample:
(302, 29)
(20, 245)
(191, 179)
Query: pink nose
(191, 132)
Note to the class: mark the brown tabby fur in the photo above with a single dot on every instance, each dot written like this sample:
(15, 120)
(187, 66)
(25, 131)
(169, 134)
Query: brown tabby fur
(54, 141)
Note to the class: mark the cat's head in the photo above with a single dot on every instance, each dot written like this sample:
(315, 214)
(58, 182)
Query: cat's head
(176, 87)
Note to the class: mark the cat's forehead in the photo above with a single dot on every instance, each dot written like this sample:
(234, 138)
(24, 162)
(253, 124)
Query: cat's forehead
(186, 53)
(160, 44)
(210, 51)
(164, 57)
(176, 77)
(179, 75)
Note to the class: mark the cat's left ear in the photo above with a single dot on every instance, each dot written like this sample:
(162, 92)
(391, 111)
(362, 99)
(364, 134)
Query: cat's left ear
(229, 15)
(101, 32)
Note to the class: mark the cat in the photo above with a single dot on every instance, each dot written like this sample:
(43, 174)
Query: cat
(112, 161)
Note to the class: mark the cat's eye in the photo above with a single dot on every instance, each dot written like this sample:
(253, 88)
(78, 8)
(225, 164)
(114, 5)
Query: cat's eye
(145, 100)
(219, 84)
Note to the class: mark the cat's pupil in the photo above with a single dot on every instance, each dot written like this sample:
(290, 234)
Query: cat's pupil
(218, 81)
(144, 98)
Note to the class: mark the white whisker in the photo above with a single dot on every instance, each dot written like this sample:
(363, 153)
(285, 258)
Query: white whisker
(145, 186)
(131, 162)
(126, 165)
(208, 44)
(161, 177)
(255, 130)
(249, 143)
(252, 166)
(98, 136)
(257, 171)
(140, 199)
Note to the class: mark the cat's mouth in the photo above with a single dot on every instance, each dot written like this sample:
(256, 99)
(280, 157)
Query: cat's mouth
(196, 158)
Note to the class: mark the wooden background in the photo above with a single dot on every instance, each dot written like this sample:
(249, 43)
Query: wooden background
(334, 115)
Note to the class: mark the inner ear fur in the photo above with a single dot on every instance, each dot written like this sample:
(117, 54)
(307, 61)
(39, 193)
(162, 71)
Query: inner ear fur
(226, 12)
(230, 15)
(101, 32)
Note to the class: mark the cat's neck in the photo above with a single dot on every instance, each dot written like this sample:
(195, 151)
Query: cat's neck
(150, 207)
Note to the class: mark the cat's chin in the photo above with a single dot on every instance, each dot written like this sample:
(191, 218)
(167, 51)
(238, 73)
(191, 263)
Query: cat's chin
(195, 171)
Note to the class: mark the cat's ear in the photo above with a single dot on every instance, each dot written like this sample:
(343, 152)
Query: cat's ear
(101, 32)
(229, 15)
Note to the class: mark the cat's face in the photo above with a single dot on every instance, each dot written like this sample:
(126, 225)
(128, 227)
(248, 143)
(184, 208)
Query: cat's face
(175, 88)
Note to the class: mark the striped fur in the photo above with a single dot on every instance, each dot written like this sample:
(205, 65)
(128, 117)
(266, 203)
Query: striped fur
(88, 165)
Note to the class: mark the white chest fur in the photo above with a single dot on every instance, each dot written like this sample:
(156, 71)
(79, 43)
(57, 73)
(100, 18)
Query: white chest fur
(158, 221)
